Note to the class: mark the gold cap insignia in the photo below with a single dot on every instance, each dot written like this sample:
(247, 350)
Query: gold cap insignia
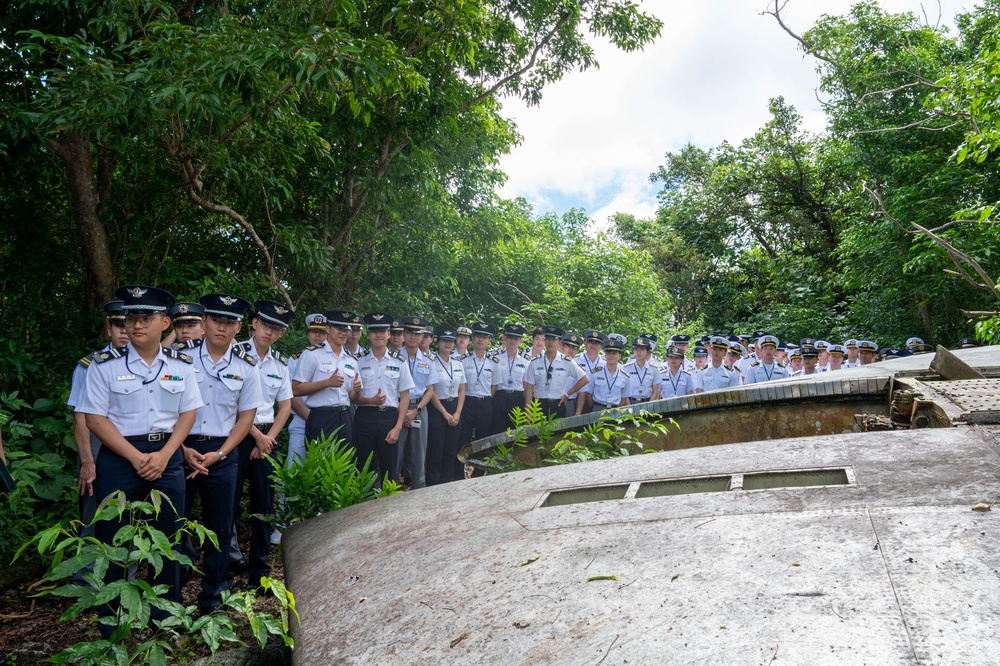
(228, 300)
(280, 310)
(182, 308)
(137, 292)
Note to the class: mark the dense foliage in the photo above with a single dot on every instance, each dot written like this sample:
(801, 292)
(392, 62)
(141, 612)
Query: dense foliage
(344, 154)
(325, 154)
(878, 228)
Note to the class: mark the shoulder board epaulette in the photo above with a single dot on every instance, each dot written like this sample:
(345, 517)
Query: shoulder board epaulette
(187, 344)
(101, 357)
(242, 353)
(174, 353)
(493, 357)
(626, 373)
(685, 372)
(278, 355)
(465, 356)
(245, 344)
(364, 352)
(562, 357)
(432, 356)
(350, 353)
(313, 347)
(90, 358)
(755, 364)
(396, 355)
(783, 365)
(296, 356)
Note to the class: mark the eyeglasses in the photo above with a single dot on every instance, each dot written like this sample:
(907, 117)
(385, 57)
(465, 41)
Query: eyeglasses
(144, 321)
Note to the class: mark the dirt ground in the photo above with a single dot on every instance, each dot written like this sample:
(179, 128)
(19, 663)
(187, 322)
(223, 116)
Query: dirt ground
(30, 630)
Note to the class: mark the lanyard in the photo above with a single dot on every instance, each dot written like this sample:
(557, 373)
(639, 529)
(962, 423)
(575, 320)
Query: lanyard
(451, 373)
(642, 379)
(510, 370)
(673, 383)
(201, 357)
(155, 374)
(764, 365)
(591, 366)
(479, 368)
(611, 384)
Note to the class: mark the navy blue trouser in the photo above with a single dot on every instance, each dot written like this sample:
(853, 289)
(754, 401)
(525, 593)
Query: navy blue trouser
(323, 421)
(258, 473)
(442, 446)
(477, 422)
(504, 403)
(551, 407)
(217, 490)
(371, 425)
(115, 473)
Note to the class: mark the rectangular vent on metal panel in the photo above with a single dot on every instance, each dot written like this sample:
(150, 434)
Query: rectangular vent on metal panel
(802, 478)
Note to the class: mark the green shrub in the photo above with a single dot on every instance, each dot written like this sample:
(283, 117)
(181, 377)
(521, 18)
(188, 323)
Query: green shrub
(608, 437)
(325, 480)
(41, 457)
(138, 638)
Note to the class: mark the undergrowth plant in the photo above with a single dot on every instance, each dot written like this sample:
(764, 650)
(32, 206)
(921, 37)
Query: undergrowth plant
(325, 480)
(138, 637)
(615, 434)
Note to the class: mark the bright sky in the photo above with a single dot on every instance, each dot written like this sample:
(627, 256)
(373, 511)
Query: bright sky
(597, 135)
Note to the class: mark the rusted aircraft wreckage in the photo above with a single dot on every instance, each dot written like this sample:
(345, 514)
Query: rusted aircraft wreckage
(840, 518)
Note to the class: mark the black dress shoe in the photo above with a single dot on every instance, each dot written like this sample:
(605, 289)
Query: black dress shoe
(212, 610)
(237, 567)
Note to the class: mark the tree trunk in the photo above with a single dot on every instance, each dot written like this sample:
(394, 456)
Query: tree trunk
(98, 273)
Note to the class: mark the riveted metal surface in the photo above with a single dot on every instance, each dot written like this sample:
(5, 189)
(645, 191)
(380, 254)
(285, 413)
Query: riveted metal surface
(972, 395)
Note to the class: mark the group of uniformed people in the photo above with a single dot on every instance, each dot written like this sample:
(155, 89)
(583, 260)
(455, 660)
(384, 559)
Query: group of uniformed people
(193, 413)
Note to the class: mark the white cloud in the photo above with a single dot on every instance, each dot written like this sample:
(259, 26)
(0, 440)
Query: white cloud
(599, 134)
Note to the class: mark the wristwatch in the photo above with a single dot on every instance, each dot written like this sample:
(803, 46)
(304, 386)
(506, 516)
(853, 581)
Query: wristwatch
(222, 456)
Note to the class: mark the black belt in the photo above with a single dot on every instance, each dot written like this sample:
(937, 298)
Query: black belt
(204, 438)
(414, 403)
(512, 391)
(638, 399)
(603, 406)
(331, 408)
(549, 399)
(381, 408)
(478, 397)
(263, 427)
(447, 399)
(151, 437)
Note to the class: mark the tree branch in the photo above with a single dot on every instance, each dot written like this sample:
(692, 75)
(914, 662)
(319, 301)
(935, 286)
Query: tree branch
(541, 318)
(918, 124)
(523, 70)
(193, 186)
(913, 84)
(957, 257)
(806, 46)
